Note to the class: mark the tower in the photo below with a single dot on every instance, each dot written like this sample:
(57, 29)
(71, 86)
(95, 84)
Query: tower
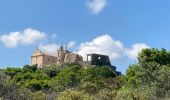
(60, 51)
(60, 54)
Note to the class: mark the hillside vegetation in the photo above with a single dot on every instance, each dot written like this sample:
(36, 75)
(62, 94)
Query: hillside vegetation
(149, 79)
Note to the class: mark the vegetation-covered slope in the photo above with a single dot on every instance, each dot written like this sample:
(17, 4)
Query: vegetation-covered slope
(149, 79)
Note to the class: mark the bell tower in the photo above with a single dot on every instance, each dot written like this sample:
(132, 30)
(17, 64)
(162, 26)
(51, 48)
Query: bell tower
(60, 51)
(60, 54)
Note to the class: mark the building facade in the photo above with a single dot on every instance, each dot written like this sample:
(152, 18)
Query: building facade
(64, 56)
(40, 58)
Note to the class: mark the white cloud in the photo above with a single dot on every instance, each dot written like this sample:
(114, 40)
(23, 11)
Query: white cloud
(119, 55)
(102, 45)
(27, 37)
(132, 53)
(96, 6)
(31, 36)
(50, 48)
(11, 40)
(106, 45)
(71, 44)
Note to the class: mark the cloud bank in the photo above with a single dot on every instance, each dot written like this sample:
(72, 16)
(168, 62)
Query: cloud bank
(102, 45)
(27, 37)
(106, 45)
(96, 6)
(119, 55)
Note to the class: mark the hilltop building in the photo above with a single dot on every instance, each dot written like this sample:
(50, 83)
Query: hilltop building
(98, 59)
(41, 59)
(64, 56)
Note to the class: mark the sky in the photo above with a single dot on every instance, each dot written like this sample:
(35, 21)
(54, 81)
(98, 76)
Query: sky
(117, 28)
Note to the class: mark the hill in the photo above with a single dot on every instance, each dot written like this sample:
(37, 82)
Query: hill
(148, 79)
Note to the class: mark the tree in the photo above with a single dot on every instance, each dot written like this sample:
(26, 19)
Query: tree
(32, 68)
(152, 71)
(10, 90)
(12, 71)
(51, 71)
(161, 57)
(68, 77)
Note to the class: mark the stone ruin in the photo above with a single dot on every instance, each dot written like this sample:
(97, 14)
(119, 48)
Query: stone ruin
(41, 59)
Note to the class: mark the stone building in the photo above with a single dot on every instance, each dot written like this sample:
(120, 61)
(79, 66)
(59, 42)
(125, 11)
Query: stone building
(98, 59)
(65, 56)
(41, 59)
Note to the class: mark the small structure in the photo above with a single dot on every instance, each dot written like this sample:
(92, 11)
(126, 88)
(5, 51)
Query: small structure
(98, 59)
(65, 56)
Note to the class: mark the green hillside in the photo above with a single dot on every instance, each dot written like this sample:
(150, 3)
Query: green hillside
(149, 79)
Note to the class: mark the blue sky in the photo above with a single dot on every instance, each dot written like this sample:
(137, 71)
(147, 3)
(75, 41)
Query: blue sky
(126, 24)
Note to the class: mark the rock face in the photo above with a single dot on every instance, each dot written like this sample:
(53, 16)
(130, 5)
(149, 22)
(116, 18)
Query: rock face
(64, 56)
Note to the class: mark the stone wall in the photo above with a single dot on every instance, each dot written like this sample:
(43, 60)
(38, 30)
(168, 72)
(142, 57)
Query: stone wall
(98, 59)
(73, 58)
(49, 60)
(41, 59)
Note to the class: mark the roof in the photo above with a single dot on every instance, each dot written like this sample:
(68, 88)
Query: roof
(96, 54)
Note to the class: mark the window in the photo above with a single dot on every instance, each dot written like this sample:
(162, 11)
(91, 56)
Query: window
(99, 58)
(89, 58)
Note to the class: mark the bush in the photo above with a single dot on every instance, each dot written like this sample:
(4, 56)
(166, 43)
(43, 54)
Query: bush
(73, 95)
